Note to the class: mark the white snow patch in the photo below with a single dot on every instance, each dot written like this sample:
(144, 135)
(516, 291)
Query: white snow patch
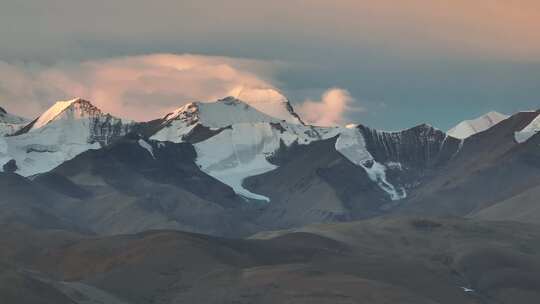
(242, 150)
(237, 153)
(468, 128)
(48, 147)
(352, 145)
(174, 133)
(467, 289)
(529, 131)
(377, 173)
(145, 145)
(394, 165)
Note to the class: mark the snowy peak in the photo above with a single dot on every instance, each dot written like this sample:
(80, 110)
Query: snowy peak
(214, 115)
(220, 114)
(64, 131)
(74, 109)
(468, 128)
(269, 101)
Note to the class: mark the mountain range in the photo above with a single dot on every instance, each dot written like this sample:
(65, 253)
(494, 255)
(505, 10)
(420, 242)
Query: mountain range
(117, 211)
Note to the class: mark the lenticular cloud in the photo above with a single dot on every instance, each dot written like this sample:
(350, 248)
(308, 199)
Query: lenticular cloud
(137, 87)
(148, 86)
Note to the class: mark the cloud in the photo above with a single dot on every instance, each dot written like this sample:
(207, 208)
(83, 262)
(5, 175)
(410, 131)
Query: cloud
(330, 110)
(149, 86)
(136, 87)
(479, 28)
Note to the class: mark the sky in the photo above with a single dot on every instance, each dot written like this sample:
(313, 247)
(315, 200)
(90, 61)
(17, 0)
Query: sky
(387, 64)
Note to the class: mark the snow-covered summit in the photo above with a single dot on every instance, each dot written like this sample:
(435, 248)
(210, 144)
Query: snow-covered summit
(62, 132)
(269, 101)
(76, 108)
(468, 128)
(214, 115)
(220, 114)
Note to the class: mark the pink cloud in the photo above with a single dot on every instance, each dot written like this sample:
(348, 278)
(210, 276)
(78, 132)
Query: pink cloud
(330, 110)
(147, 87)
(136, 87)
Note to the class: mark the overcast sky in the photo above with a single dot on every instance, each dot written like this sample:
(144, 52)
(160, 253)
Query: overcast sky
(401, 62)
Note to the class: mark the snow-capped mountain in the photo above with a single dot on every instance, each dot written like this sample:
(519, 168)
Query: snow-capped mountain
(269, 101)
(10, 123)
(206, 159)
(62, 132)
(178, 125)
(235, 140)
(468, 128)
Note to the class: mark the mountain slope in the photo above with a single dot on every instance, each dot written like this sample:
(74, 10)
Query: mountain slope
(24, 202)
(10, 123)
(523, 207)
(409, 260)
(135, 185)
(360, 173)
(468, 128)
(231, 162)
(490, 167)
(529, 131)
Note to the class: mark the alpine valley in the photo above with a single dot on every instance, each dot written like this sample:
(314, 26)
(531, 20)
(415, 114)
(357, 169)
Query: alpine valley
(242, 198)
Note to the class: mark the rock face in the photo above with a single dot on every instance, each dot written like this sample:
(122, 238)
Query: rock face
(491, 167)
(411, 154)
(419, 147)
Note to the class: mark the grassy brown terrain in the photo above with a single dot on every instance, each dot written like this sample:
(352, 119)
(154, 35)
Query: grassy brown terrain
(394, 260)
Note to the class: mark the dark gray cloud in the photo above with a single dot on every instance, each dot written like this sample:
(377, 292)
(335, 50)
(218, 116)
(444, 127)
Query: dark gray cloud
(435, 61)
